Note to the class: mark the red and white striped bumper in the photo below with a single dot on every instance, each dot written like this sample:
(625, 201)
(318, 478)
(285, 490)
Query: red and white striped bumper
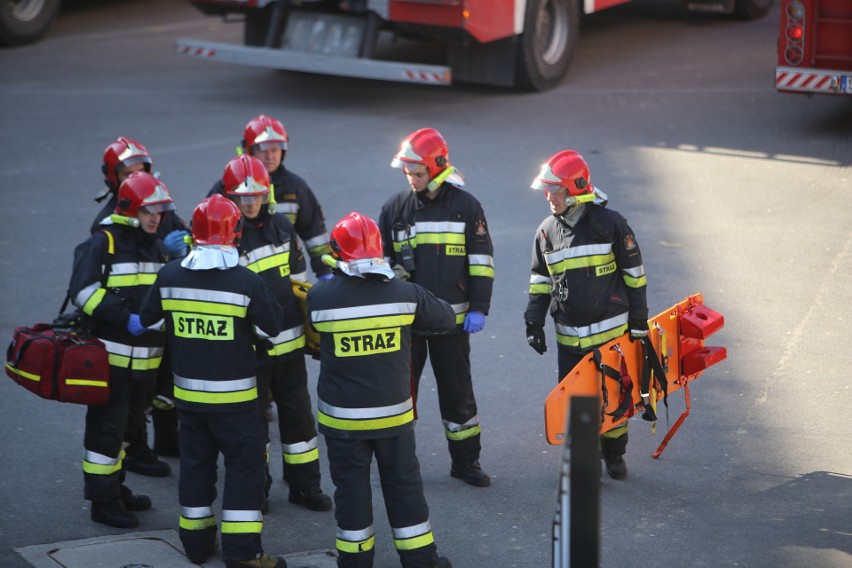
(819, 81)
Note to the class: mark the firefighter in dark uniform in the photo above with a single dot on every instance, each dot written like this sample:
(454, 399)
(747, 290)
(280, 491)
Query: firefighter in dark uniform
(113, 270)
(436, 235)
(121, 158)
(587, 272)
(215, 311)
(365, 316)
(270, 247)
(266, 139)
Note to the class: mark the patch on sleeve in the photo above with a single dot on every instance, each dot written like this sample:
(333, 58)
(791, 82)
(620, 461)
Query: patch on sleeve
(481, 231)
(629, 242)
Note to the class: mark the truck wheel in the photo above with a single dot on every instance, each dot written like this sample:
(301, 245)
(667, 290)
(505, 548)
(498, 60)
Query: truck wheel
(547, 43)
(25, 21)
(752, 9)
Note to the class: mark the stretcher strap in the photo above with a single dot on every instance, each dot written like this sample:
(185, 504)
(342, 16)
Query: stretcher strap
(651, 363)
(625, 401)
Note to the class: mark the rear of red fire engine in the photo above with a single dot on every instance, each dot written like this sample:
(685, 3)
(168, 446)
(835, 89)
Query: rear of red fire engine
(815, 47)
(527, 44)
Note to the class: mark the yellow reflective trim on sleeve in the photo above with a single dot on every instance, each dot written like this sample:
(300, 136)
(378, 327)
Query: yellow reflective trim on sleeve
(118, 360)
(198, 307)
(281, 259)
(197, 524)
(355, 547)
(485, 271)
(306, 457)
(287, 347)
(635, 282)
(463, 434)
(128, 280)
(414, 543)
(365, 424)
(541, 289)
(230, 527)
(364, 324)
(94, 301)
(215, 398)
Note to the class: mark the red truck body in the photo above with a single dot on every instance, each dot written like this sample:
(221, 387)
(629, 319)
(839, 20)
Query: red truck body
(815, 47)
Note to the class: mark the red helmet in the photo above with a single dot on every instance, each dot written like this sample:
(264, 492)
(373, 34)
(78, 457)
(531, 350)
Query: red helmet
(565, 169)
(142, 189)
(262, 129)
(123, 152)
(356, 236)
(217, 221)
(245, 176)
(425, 146)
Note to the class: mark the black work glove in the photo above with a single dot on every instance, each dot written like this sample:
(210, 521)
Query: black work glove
(535, 337)
(638, 329)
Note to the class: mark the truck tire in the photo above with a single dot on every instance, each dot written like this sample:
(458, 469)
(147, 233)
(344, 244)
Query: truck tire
(752, 9)
(26, 21)
(547, 43)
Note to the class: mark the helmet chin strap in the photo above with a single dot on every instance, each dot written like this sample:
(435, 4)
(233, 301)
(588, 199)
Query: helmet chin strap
(439, 179)
(124, 220)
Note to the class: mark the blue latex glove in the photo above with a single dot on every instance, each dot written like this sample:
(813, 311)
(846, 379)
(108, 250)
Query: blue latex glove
(474, 322)
(175, 244)
(328, 276)
(135, 326)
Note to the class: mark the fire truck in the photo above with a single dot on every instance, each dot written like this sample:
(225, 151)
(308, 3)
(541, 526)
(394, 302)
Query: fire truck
(815, 47)
(523, 44)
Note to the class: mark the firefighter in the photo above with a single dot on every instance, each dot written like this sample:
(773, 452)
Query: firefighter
(215, 311)
(122, 157)
(112, 271)
(587, 272)
(365, 316)
(266, 139)
(436, 235)
(270, 247)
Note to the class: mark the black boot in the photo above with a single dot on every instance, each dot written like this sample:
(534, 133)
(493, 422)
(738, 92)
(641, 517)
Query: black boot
(612, 450)
(140, 459)
(471, 473)
(114, 514)
(134, 501)
(312, 498)
(444, 563)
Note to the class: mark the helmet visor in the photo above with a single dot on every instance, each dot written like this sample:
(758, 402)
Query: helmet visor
(399, 162)
(264, 146)
(158, 207)
(249, 199)
(542, 185)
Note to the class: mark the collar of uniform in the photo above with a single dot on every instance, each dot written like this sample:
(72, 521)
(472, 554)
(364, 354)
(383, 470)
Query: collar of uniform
(208, 257)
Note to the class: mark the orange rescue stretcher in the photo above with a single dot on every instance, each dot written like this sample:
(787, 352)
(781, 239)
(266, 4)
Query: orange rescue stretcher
(614, 371)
